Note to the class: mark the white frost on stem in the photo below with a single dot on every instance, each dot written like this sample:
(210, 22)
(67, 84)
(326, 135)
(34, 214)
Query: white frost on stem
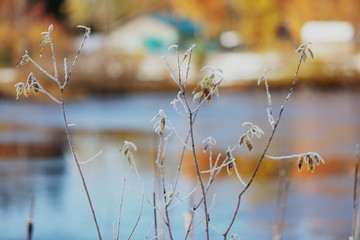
(93, 157)
(269, 109)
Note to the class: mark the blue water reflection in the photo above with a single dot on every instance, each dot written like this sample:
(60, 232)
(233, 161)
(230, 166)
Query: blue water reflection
(327, 122)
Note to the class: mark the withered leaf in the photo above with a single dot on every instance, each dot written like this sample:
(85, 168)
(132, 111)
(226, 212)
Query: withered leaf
(26, 90)
(242, 139)
(162, 125)
(300, 162)
(249, 145)
(316, 159)
(230, 168)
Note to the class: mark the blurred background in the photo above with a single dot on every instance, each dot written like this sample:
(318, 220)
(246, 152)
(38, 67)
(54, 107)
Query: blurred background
(119, 84)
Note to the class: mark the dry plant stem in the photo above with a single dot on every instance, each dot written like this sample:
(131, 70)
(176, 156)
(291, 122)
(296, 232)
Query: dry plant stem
(195, 207)
(355, 231)
(154, 193)
(139, 216)
(198, 174)
(54, 61)
(41, 69)
(71, 145)
(75, 60)
(120, 208)
(180, 162)
(155, 217)
(161, 168)
(281, 203)
(192, 117)
(266, 148)
(190, 224)
(182, 157)
(31, 219)
(148, 233)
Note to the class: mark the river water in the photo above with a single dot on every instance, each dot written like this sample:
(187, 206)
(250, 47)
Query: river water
(319, 204)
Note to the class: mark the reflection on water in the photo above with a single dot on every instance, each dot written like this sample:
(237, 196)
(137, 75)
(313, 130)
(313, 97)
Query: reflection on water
(319, 207)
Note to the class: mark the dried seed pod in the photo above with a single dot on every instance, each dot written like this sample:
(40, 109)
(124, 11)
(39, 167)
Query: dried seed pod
(250, 134)
(197, 96)
(19, 89)
(35, 87)
(242, 139)
(30, 79)
(126, 151)
(23, 60)
(300, 162)
(206, 146)
(162, 125)
(26, 90)
(316, 159)
(248, 124)
(311, 164)
(207, 95)
(249, 145)
(230, 168)
(228, 154)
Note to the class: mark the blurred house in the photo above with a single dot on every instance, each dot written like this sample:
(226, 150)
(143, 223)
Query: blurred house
(329, 38)
(147, 33)
(129, 54)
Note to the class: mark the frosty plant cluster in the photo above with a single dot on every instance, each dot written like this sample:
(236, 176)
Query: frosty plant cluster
(163, 202)
(34, 84)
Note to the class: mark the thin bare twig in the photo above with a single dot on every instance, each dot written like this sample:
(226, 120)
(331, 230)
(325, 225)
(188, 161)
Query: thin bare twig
(31, 219)
(139, 216)
(42, 70)
(86, 36)
(355, 221)
(120, 207)
(54, 60)
(93, 157)
(71, 145)
(198, 172)
(41, 89)
(155, 215)
(268, 143)
(281, 203)
(148, 233)
(269, 109)
(160, 164)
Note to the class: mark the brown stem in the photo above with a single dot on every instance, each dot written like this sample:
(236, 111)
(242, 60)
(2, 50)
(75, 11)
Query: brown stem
(71, 145)
(281, 202)
(267, 146)
(161, 168)
(31, 220)
(355, 192)
(199, 174)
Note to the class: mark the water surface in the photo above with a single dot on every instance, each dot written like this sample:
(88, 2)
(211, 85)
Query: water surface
(319, 205)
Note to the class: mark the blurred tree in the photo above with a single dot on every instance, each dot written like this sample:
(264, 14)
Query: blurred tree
(101, 14)
(259, 21)
(211, 14)
(21, 22)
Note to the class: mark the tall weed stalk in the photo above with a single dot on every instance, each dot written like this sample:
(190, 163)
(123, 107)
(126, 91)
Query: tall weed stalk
(32, 83)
